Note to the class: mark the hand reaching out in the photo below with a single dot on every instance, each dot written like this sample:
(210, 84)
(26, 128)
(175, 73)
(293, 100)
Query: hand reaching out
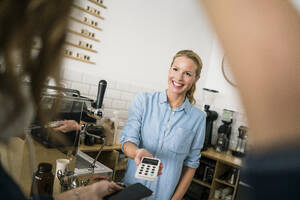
(140, 153)
(95, 191)
(67, 126)
(104, 188)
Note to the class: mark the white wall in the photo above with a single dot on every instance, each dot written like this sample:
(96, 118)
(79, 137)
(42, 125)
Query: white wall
(140, 37)
(138, 42)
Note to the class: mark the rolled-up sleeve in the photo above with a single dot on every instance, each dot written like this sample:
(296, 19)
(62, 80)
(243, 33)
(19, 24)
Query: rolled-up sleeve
(132, 128)
(192, 160)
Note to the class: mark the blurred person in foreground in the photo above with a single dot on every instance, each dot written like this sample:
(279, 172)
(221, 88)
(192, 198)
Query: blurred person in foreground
(21, 22)
(261, 39)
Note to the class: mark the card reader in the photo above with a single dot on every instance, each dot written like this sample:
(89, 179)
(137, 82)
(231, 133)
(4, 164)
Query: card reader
(148, 169)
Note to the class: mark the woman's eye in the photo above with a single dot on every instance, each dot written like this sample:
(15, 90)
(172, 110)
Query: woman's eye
(175, 69)
(188, 74)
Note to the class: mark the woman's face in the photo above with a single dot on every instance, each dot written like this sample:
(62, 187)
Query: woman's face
(182, 75)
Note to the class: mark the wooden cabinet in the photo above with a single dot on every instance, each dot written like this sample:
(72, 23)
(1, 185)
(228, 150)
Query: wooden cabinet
(217, 175)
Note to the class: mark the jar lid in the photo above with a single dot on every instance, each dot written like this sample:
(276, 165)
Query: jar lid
(44, 167)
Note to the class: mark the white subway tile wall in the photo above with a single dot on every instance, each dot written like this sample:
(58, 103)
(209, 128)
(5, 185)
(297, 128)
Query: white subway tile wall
(119, 95)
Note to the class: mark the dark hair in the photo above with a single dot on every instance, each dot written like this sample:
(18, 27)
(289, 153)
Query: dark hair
(197, 60)
(21, 23)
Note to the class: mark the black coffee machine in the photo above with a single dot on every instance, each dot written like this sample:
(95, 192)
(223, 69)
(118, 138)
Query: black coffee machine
(224, 131)
(211, 116)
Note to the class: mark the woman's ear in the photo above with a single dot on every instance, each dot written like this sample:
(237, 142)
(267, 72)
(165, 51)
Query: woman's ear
(197, 78)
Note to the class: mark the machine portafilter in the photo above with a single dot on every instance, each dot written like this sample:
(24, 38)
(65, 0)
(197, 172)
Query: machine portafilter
(96, 110)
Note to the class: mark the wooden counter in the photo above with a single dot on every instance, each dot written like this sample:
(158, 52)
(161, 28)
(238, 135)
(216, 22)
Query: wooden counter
(225, 157)
(96, 147)
(17, 162)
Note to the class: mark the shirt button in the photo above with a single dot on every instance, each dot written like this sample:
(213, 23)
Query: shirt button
(173, 112)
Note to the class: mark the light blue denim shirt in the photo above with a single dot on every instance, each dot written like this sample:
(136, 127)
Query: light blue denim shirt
(174, 136)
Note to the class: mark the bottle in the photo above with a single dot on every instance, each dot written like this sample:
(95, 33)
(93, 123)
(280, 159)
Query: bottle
(43, 179)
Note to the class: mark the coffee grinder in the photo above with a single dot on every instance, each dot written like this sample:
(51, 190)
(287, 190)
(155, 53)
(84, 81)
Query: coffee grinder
(241, 146)
(224, 131)
(211, 116)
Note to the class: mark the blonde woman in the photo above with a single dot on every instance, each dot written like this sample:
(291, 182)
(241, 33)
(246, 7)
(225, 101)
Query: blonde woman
(167, 126)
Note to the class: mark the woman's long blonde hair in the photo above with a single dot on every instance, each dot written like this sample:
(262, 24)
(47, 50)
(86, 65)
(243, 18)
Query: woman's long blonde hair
(197, 60)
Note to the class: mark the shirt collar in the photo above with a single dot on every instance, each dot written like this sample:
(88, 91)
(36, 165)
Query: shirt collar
(186, 106)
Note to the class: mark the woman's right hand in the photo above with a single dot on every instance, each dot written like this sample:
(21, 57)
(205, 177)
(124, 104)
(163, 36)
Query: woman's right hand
(140, 153)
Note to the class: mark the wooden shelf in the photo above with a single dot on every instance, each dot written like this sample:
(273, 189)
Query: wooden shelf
(223, 163)
(224, 182)
(96, 147)
(86, 11)
(99, 4)
(201, 183)
(77, 33)
(81, 47)
(75, 58)
(222, 157)
(82, 22)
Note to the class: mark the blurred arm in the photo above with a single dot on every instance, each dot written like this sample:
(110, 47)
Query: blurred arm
(262, 41)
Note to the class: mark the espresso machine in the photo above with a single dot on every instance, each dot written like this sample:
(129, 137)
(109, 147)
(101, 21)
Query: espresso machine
(211, 116)
(224, 131)
(91, 111)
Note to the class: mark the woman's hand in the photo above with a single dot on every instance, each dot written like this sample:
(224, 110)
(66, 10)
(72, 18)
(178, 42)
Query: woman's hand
(95, 191)
(140, 153)
(67, 126)
(104, 188)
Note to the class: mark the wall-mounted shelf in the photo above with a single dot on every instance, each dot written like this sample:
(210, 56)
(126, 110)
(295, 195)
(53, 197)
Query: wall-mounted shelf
(99, 4)
(82, 22)
(80, 34)
(81, 47)
(86, 11)
(75, 58)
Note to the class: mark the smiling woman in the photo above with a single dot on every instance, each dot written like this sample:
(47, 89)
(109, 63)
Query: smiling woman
(158, 124)
(183, 74)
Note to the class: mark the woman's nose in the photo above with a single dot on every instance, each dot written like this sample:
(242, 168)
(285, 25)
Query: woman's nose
(179, 76)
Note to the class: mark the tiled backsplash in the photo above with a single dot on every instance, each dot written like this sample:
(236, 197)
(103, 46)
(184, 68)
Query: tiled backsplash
(118, 96)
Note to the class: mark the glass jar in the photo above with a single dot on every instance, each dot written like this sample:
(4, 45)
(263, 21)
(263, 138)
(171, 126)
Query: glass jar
(43, 179)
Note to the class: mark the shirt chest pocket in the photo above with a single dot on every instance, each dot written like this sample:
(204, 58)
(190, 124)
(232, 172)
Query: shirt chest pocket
(180, 142)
